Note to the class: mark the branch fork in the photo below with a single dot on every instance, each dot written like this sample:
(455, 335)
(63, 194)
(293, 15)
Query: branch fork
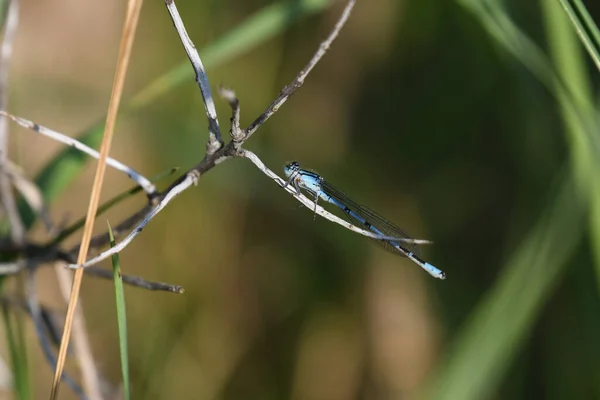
(216, 150)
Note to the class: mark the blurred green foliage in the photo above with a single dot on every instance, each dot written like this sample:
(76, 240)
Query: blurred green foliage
(121, 318)
(471, 123)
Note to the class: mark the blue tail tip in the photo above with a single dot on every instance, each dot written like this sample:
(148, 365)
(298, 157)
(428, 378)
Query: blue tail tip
(433, 271)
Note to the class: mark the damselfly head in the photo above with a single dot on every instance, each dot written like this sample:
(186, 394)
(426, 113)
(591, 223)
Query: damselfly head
(291, 167)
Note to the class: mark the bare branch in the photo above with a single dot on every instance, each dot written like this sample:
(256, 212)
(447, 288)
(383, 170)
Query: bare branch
(232, 149)
(190, 179)
(209, 162)
(290, 89)
(28, 255)
(119, 230)
(11, 268)
(138, 178)
(50, 318)
(136, 281)
(215, 142)
(65, 231)
(38, 323)
(236, 133)
(8, 200)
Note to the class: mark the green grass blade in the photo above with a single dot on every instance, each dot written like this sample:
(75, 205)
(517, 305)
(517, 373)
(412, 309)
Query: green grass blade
(18, 355)
(570, 64)
(121, 318)
(487, 344)
(580, 28)
(12, 348)
(3, 8)
(500, 324)
(24, 372)
(567, 82)
(502, 29)
(589, 22)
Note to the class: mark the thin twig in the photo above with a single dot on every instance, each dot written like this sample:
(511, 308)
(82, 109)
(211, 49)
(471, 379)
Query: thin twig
(11, 268)
(290, 89)
(191, 179)
(135, 176)
(236, 133)
(215, 142)
(26, 256)
(47, 317)
(129, 28)
(38, 323)
(119, 230)
(14, 267)
(136, 281)
(81, 343)
(8, 200)
(128, 223)
(67, 231)
(30, 192)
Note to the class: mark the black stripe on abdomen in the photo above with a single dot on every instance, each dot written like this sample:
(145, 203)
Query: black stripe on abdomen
(350, 213)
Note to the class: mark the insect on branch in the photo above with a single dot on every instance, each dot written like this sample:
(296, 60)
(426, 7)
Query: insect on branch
(216, 152)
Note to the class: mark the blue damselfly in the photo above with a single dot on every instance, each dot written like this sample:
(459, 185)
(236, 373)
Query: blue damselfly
(358, 214)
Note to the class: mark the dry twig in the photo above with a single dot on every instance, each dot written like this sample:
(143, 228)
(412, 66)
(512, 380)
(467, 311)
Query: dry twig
(138, 178)
(130, 25)
(8, 200)
(231, 149)
(40, 331)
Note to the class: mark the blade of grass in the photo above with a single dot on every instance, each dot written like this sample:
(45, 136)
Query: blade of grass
(3, 7)
(499, 325)
(580, 28)
(589, 22)
(24, 364)
(121, 317)
(487, 344)
(584, 142)
(266, 23)
(65, 233)
(570, 64)
(19, 365)
(567, 82)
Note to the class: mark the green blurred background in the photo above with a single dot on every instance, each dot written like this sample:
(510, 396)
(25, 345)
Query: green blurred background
(419, 110)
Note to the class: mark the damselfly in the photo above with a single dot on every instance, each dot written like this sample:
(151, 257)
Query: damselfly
(357, 214)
